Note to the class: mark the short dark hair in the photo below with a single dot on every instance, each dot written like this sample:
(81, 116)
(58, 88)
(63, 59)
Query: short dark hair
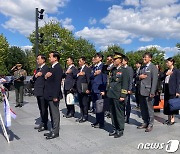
(42, 57)
(83, 58)
(70, 57)
(171, 60)
(56, 55)
(125, 58)
(139, 62)
(110, 56)
(99, 55)
(148, 54)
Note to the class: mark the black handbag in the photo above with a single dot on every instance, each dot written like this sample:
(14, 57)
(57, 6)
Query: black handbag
(174, 104)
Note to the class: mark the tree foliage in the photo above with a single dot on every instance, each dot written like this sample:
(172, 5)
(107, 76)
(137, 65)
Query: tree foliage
(57, 38)
(4, 45)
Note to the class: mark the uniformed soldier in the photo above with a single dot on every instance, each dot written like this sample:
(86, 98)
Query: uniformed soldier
(117, 91)
(19, 77)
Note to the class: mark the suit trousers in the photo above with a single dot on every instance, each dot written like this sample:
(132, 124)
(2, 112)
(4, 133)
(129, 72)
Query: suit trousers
(117, 114)
(43, 108)
(127, 106)
(70, 108)
(137, 96)
(147, 110)
(19, 93)
(54, 114)
(83, 103)
(99, 116)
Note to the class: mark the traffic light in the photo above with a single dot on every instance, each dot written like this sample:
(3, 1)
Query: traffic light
(41, 14)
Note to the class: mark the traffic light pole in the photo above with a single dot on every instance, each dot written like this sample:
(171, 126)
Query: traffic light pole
(37, 34)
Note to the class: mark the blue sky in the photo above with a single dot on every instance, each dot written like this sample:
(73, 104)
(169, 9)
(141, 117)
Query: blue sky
(132, 24)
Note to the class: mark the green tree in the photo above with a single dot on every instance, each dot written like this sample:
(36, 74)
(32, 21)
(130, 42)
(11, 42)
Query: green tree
(158, 56)
(15, 55)
(30, 62)
(111, 49)
(177, 60)
(3, 54)
(178, 46)
(57, 38)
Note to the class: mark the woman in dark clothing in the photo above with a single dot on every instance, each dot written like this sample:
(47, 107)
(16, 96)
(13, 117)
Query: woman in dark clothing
(171, 89)
(159, 87)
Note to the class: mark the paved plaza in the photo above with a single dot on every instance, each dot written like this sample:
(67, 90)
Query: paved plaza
(81, 138)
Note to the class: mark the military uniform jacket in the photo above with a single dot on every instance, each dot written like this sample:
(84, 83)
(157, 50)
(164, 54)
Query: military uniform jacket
(19, 76)
(118, 83)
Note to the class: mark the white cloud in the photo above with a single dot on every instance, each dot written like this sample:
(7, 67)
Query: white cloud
(145, 21)
(21, 13)
(140, 19)
(165, 49)
(104, 36)
(26, 47)
(92, 21)
(146, 39)
(67, 24)
(131, 2)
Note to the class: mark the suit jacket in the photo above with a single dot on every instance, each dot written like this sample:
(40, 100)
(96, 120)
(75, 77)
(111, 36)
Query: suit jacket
(70, 79)
(118, 83)
(83, 79)
(98, 82)
(149, 85)
(174, 81)
(53, 83)
(39, 82)
(131, 74)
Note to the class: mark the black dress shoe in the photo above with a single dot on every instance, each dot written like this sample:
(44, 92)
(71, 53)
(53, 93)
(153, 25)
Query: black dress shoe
(82, 120)
(52, 136)
(170, 123)
(94, 124)
(17, 105)
(37, 127)
(112, 133)
(43, 128)
(20, 105)
(79, 119)
(118, 134)
(101, 126)
(149, 128)
(70, 116)
(143, 126)
(47, 134)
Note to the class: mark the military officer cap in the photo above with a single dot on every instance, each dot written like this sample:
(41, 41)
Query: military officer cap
(118, 55)
(18, 64)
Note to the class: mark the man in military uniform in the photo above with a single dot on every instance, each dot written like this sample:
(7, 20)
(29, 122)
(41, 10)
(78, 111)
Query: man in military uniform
(116, 92)
(19, 77)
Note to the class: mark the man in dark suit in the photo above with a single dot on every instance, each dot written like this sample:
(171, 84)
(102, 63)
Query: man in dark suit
(98, 88)
(148, 83)
(39, 83)
(137, 82)
(69, 85)
(83, 81)
(130, 86)
(107, 68)
(53, 94)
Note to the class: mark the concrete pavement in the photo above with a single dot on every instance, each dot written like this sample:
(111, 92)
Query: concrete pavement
(76, 138)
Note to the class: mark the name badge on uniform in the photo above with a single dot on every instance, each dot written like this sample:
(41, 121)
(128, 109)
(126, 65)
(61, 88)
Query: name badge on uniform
(118, 74)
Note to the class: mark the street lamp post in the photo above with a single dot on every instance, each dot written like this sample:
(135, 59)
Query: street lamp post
(39, 15)
(37, 35)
